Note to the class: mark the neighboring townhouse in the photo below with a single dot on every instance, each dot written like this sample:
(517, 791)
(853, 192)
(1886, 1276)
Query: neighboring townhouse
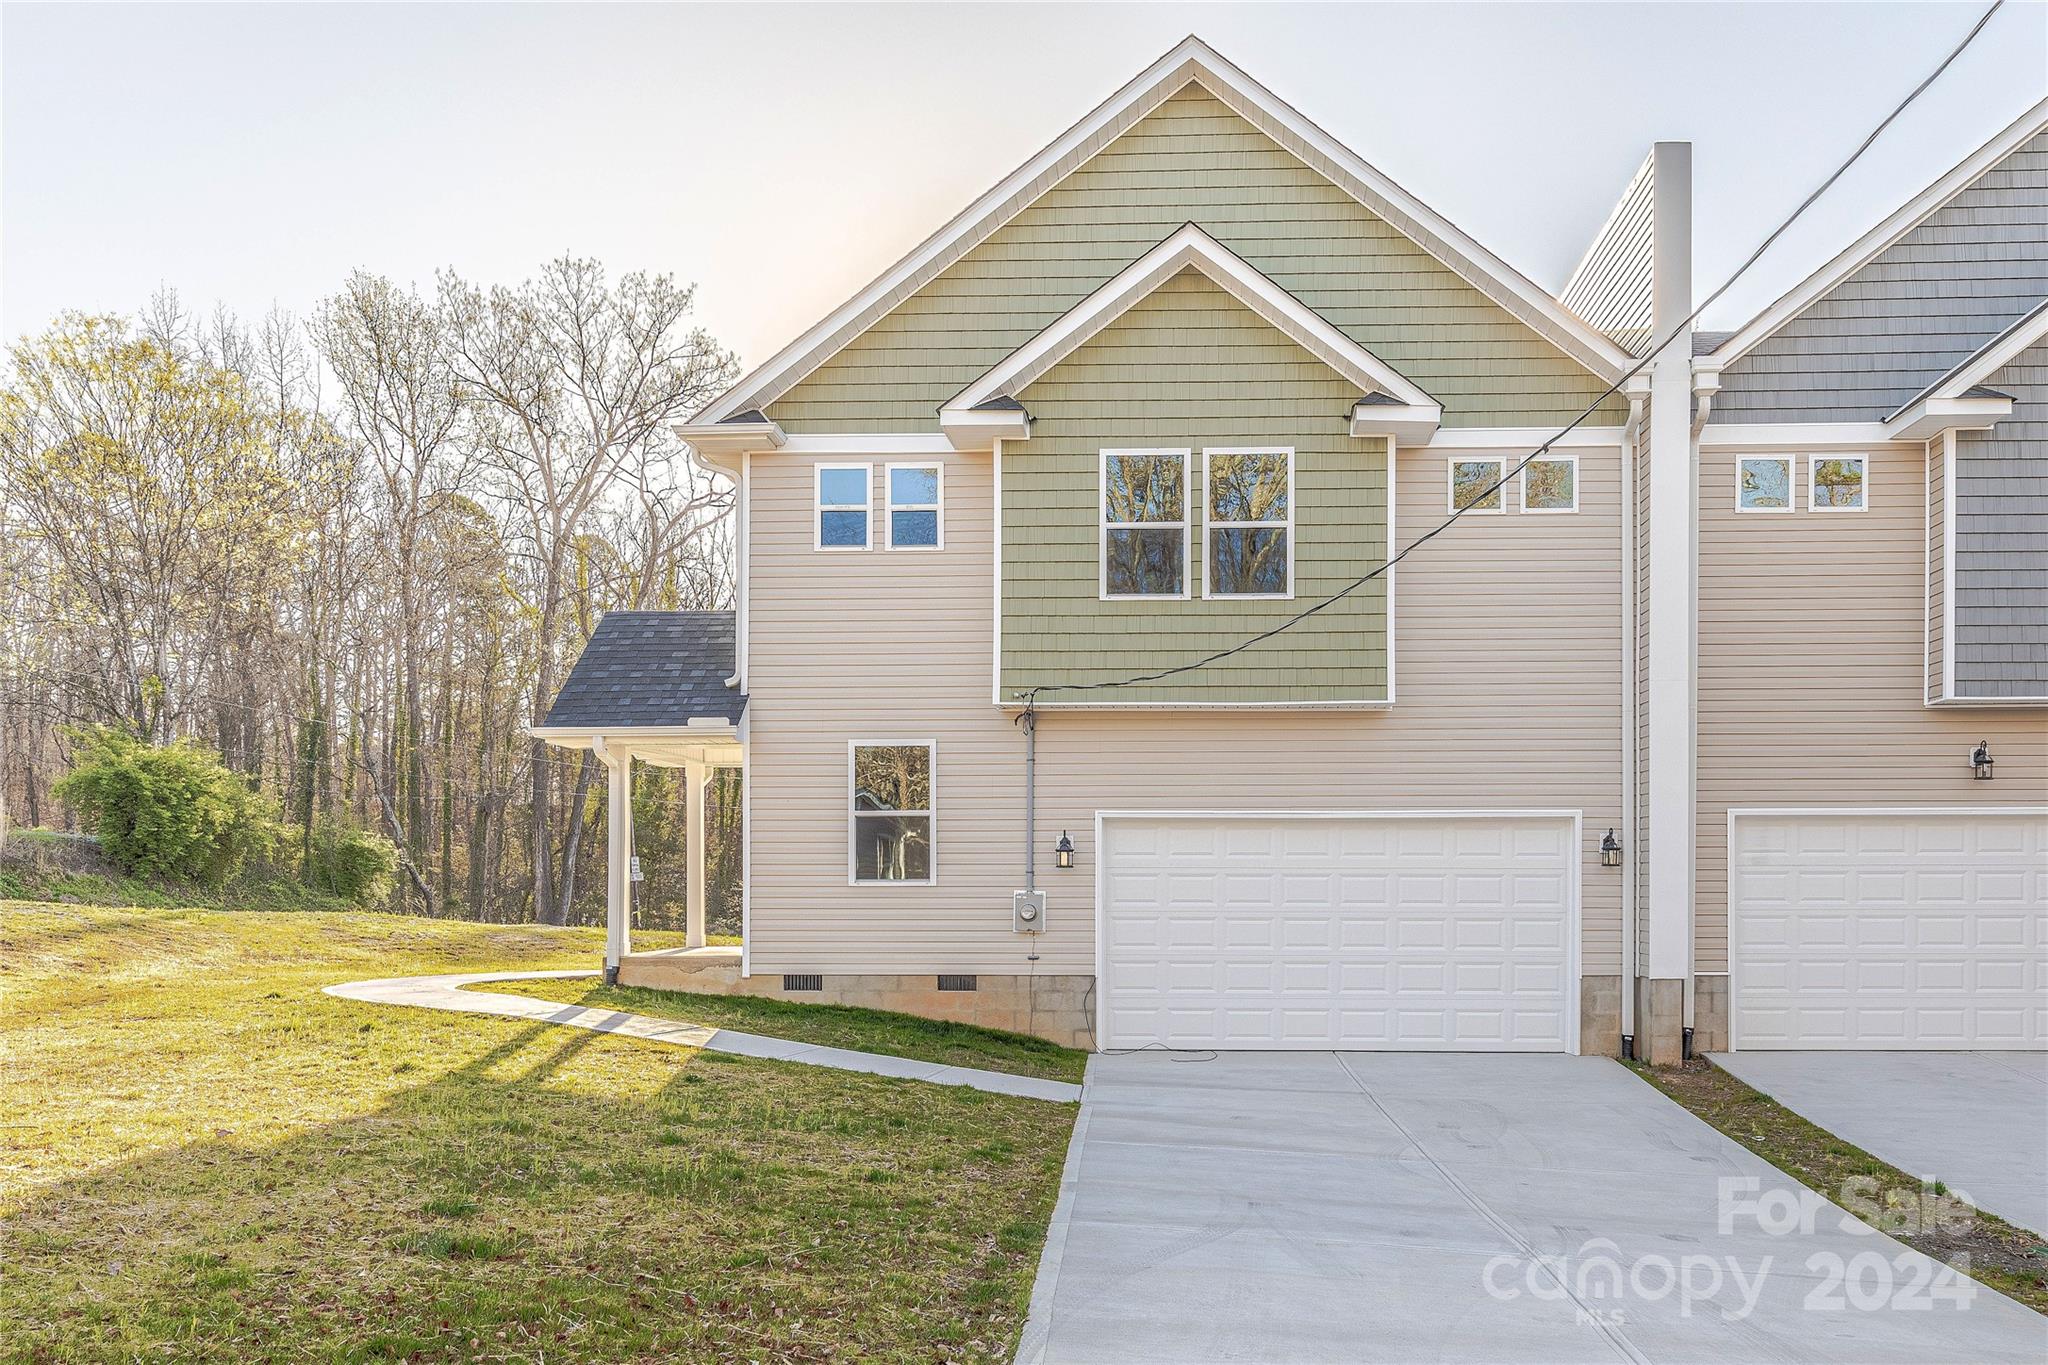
(1873, 585)
(1014, 525)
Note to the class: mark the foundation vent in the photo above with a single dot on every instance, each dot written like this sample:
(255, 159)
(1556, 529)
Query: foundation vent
(959, 983)
(803, 981)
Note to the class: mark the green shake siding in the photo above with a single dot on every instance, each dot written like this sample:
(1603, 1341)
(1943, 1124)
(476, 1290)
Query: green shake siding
(1190, 367)
(1192, 159)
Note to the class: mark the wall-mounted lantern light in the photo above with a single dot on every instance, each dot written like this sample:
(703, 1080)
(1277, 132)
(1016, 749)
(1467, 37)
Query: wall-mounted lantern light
(1610, 851)
(1980, 761)
(1063, 851)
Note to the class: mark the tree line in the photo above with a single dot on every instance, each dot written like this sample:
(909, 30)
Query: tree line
(356, 553)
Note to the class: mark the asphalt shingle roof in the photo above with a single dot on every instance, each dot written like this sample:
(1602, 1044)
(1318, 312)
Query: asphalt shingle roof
(652, 668)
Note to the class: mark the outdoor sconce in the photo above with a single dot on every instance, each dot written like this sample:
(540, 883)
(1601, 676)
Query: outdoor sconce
(1063, 851)
(1980, 761)
(1610, 851)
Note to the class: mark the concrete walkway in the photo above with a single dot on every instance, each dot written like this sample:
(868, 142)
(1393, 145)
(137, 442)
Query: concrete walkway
(1326, 1207)
(1976, 1121)
(447, 993)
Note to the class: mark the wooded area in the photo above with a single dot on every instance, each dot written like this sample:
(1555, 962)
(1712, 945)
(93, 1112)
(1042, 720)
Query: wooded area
(357, 554)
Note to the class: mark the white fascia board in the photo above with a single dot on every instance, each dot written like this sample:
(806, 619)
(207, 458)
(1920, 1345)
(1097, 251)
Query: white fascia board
(969, 430)
(1405, 424)
(1794, 436)
(700, 728)
(1188, 247)
(1190, 60)
(1872, 243)
(716, 440)
(1525, 438)
(1930, 417)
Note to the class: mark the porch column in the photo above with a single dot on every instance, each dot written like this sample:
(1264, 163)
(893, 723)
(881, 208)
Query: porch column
(694, 774)
(618, 884)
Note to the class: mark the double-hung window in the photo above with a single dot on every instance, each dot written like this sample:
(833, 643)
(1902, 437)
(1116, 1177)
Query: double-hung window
(844, 498)
(891, 812)
(1144, 523)
(1249, 532)
(915, 506)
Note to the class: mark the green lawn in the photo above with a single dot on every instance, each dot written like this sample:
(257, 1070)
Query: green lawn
(899, 1035)
(206, 1158)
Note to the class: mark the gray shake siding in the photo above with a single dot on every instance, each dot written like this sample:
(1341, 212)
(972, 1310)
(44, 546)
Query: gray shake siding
(2001, 520)
(1924, 304)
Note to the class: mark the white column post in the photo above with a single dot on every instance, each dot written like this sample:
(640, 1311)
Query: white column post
(694, 774)
(618, 848)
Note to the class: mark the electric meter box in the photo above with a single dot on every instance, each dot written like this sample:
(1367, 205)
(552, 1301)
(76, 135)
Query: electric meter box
(1027, 909)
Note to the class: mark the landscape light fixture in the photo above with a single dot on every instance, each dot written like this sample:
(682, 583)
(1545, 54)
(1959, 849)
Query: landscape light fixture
(1063, 851)
(1610, 851)
(1980, 761)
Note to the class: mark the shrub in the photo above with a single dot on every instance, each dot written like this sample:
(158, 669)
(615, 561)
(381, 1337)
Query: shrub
(351, 863)
(164, 811)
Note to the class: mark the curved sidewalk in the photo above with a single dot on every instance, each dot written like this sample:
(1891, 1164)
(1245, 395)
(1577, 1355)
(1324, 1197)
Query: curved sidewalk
(447, 993)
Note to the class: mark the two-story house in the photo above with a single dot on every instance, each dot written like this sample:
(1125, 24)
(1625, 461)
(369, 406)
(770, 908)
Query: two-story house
(1062, 566)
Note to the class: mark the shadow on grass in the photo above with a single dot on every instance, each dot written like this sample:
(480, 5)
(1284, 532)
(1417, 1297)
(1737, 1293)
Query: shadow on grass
(557, 1197)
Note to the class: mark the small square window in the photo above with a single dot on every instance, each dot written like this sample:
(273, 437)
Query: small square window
(891, 809)
(1763, 483)
(1550, 483)
(1250, 530)
(1144, 523)
(1479, 485)
(915, 506)
(1836, 483)
(844, 493)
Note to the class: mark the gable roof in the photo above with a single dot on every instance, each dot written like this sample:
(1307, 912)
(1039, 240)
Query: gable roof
(1191, 60)
(1874, 242)
(1960, 398)
(651, 668)
(1189, 248)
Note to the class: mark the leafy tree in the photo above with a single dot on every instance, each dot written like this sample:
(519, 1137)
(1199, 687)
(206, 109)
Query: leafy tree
(169, 810)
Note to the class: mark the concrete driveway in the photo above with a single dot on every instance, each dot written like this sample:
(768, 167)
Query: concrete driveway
(1977, 1121)
(1308, 1207)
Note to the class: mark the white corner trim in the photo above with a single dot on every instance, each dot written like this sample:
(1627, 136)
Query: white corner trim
(1190, 60)
(1188, 247)
(1874, 242)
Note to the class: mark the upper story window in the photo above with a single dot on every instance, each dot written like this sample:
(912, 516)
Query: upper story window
(916, 512)
(1249, 533)
(1763, 483)
(1550, 483)
(1480, 484)
(890, 815)
(1836, 483)
(842, 518)
(1144, 523)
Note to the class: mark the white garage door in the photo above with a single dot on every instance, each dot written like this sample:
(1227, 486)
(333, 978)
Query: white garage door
(1423, 932)
(1899, 930)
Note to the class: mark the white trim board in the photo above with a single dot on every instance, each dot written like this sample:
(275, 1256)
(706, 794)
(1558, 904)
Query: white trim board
(1873, 243)
(1189, 60)
(1189, 247)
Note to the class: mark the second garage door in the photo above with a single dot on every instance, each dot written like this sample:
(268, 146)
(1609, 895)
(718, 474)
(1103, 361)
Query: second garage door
(1888, 929)
(1426, 932)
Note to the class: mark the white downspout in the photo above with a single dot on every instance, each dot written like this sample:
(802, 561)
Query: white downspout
(1628, 712)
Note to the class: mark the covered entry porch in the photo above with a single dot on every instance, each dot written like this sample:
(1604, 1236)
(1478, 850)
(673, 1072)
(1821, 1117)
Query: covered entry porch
(655, 687)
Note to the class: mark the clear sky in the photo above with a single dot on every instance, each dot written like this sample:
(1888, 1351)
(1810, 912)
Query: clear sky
(782, 157)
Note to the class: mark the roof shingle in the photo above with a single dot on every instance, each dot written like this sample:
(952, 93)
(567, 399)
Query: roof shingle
(652, 668)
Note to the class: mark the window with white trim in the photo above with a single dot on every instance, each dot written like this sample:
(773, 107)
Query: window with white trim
(1144, 508)
(891, 809)
(916, 515)
(1763, 483)
(1550, 483)
(1837, 483)
(844, 500)
(1248, 534)
(1479, 483)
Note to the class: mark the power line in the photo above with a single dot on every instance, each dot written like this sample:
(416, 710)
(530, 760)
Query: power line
(1030, 695)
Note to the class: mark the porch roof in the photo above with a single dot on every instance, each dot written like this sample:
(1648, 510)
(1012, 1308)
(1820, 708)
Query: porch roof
(651, 669)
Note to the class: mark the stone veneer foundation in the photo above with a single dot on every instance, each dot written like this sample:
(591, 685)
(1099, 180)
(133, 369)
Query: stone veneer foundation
(1056, 1008)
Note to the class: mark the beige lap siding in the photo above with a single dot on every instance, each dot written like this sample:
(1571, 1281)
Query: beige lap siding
(1812, 670)
(1508, 660)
